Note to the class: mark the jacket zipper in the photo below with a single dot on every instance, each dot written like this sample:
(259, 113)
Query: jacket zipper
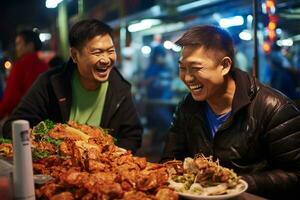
(118, 106)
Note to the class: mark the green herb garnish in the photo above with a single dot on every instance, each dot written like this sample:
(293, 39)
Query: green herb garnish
(51, 140)
(3, 140)
(43, 127)
(39, 154)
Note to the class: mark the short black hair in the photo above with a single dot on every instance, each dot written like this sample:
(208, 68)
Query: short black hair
(31, 36)
(209, 37)
(87, 29)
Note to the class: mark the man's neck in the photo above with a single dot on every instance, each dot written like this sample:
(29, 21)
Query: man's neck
(87, 84)
(222, 103)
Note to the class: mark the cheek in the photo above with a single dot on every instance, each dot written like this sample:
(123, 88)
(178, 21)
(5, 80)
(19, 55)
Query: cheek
(113, 58)
(181, 76)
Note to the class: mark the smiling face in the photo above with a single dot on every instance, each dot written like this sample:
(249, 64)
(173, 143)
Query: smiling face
(95, 60)
(203, 72)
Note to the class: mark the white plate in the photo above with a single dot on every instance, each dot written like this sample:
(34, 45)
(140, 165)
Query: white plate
(215, 197)
(41, 178)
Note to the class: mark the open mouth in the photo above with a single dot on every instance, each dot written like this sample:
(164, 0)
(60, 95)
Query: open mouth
(102, 69)
(196, 88)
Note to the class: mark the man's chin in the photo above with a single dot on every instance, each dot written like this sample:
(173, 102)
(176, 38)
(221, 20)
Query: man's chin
(198, 97)
(102, 79)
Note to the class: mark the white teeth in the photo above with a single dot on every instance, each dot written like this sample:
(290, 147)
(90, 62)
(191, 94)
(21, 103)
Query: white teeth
(195, 87)
(101, 68)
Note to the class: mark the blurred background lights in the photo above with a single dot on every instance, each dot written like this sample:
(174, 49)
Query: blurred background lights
(266, 47)
(168, 44)
(272, 25)
(278, 31)
(52, 3)
(285, 42)
(143, 24)
(176, 48)
(245, 35)
(231, 21)
(7, 65)
(45, 36)
(249, 18)
(146, 50)
(195, 4)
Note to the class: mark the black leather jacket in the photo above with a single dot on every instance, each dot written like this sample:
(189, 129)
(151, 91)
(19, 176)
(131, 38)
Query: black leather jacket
(51, 97)
(260, 140)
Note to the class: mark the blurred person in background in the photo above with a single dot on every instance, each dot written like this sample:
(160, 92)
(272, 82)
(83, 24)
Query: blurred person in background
(158, 84)
(88, 89)
(2, 78)
(228, 114)
(282, 73)
(24, 71)
(2, 72)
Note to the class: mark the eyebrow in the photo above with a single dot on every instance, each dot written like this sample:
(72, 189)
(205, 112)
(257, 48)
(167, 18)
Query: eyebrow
(191, 63)
(102, 49)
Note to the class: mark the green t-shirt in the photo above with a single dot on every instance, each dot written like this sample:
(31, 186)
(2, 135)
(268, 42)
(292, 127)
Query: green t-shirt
(87, 106)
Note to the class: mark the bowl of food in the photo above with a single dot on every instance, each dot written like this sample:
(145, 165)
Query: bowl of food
(203, 178)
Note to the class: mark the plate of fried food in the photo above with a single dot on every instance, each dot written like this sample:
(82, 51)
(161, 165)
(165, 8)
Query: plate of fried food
(202, 178)
(78, 161)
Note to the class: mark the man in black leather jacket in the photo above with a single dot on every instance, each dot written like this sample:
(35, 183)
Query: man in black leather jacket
(228, 114)
(91, 71)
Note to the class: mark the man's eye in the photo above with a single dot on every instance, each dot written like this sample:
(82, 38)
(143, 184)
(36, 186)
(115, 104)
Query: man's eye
(196, 68)
(96, 53)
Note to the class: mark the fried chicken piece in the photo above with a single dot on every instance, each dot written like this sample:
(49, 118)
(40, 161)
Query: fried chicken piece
(52, 160)
(93, 132)
(80, 193)
(162, 176)
(95, 166)
(63, 196)
(94, 153)
(75, 178)
(126, 186)
(6, 149)
(57, 171)
(104, 176)
(125, 158)
(44, 146)
(146, 182)
(129, 176)
(89, 196)
(141, 162)
(137, 195)
(40, 168)
(110, 189)
(59, 132)
(166, 194)
(47, 190)
(66, 147)
(174, 167)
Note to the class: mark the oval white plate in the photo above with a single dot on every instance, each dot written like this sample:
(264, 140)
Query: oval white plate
(41, 178)
(215, 197)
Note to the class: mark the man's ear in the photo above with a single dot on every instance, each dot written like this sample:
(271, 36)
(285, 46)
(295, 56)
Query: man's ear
(73, 53)
(226, 63)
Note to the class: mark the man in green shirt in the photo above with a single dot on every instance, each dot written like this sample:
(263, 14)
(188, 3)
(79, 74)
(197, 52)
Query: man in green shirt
(88, 89)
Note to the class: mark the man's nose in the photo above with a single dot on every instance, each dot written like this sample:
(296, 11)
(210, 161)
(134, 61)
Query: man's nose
(104, 59)
(188, 77)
